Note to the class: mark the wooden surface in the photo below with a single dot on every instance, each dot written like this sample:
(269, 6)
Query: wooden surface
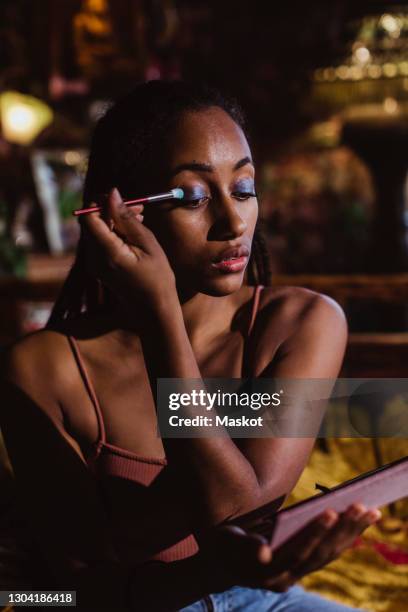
(44, 279)
(384, 287)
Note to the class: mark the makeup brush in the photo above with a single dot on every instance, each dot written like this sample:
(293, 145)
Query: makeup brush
(174, 194)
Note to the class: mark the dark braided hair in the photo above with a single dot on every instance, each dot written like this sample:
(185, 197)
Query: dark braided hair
(127, 151)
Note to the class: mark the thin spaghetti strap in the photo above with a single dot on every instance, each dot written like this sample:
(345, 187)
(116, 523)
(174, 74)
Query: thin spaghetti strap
(89, 387)
(255, 305)
(247, 369)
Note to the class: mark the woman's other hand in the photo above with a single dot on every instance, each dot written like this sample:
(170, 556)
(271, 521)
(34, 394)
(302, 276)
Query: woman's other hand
(125, 255)
(233, 556)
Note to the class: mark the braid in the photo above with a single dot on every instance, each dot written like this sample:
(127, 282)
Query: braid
(79, 290)
(70, 298)
(259, 269)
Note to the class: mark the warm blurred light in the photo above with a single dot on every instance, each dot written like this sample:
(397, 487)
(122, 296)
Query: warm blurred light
(390, 106)
(403, 68)
(374, 71)
(342, 72)
(330, 74)
(391, 25)
(378, 51)
(72, 158)
(96, 6)
(389, 70)
(362, 55)
(23, 117)
(356, 73)
(326, 133)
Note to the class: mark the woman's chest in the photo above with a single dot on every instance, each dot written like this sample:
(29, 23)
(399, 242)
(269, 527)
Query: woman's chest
(223, 358)
(125, 414)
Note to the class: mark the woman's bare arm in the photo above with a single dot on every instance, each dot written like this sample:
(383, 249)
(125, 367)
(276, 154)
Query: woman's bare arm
(313, 350)
(235, 476)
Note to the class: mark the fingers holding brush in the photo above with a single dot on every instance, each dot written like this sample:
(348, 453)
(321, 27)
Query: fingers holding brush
(120, 214)
(128, 223)
(125, 254)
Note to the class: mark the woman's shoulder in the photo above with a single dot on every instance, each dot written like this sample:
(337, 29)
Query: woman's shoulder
(38, 346)
(292, 307)
(296, 298)
(37, 361)
(300, 325)
(37, 376)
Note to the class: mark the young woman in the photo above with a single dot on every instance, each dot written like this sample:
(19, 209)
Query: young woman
(126, 518)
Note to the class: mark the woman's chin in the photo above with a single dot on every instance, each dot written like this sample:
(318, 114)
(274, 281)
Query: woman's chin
(224, 284)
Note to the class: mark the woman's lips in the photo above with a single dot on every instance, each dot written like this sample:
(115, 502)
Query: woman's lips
(231, 265)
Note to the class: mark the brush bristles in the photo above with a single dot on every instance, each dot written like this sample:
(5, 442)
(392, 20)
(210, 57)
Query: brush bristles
(178, 193)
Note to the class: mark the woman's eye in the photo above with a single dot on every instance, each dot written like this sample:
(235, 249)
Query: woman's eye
(196, 202)
(244, 195)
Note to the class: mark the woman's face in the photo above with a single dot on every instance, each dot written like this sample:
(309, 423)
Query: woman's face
(209, 158)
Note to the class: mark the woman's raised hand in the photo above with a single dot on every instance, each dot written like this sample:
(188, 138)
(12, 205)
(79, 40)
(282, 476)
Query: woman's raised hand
(125, 255)
(233, 556)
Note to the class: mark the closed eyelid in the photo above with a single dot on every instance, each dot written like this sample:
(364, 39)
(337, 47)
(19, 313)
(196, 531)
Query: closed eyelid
(244, 184)
(194, 193)
(248, 181)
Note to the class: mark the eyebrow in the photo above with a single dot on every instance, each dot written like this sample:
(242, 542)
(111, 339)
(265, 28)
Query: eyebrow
(199, 167)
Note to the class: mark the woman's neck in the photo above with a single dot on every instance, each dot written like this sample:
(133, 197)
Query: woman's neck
(205, 317)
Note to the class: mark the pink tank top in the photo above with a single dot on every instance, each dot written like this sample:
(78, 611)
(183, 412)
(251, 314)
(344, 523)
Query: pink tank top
(108, 459)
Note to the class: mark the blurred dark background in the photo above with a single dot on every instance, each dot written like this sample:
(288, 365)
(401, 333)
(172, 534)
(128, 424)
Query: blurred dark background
(325, 89)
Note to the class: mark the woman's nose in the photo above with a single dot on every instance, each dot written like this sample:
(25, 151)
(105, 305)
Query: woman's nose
(228, 221)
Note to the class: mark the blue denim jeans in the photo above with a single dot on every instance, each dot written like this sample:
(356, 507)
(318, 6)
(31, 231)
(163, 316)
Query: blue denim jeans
(295, 599)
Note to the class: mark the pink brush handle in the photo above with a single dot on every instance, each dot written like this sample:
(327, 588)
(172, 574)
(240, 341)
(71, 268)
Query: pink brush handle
(84, 211)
